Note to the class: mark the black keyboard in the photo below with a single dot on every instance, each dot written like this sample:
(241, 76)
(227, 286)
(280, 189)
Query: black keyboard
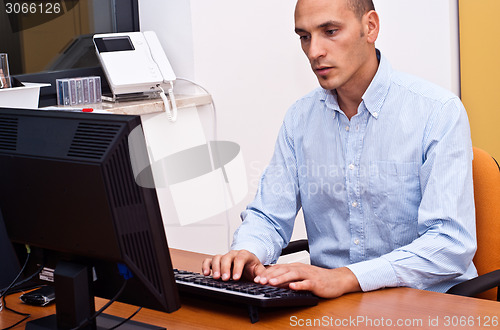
(251, 294)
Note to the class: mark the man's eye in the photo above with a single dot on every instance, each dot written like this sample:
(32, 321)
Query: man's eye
(331, 32)
(304, 38)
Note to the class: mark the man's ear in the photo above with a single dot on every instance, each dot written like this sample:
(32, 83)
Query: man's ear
(372, 25)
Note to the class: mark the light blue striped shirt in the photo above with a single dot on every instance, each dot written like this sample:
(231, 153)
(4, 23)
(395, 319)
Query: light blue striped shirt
(388, 194)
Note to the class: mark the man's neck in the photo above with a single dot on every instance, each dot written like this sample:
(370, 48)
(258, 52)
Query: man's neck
(350, 95)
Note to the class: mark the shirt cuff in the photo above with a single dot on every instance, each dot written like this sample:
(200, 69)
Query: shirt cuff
(260, 252)
(374, 274)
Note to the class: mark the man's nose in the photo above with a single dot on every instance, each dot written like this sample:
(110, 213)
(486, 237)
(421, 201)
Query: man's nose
(316, 48)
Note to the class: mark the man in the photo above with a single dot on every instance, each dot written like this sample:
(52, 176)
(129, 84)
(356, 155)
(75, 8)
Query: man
(380, 163)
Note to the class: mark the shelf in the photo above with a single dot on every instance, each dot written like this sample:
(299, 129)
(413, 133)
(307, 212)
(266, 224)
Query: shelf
(143, 107)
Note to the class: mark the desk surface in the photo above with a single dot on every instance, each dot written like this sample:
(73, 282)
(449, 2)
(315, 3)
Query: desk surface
(395, 307)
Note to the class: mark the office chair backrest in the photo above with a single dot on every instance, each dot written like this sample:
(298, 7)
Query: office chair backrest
(486, 176)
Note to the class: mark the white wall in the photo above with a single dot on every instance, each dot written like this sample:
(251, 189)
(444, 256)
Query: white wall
(247, 55)
(421, 37)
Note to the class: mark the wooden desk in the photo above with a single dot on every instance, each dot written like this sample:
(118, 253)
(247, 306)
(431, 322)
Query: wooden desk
(396, 307)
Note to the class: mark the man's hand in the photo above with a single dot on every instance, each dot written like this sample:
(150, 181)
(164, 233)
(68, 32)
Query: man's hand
(236, 263)
(326, 283)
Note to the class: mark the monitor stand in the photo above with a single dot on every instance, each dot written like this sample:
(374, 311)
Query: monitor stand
(104, 321)
(75, 304)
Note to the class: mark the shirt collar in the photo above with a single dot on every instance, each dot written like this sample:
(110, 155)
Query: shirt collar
(330, 99)
(374, 95)
(376, 92)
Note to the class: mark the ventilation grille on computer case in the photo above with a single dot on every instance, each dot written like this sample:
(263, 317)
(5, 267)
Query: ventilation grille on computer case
(138, 242)
(125, 192)
(8, 133)
(92, 140)
(127, 206)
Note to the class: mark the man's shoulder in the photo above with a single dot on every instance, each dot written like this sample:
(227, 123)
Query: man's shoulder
(305, 108)
(309, 101)
(421, 88)
(316, 94)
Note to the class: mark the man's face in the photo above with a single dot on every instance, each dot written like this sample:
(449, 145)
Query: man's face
(334, 40)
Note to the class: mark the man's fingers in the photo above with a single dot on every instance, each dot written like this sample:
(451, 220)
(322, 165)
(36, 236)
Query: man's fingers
(247, 263)
(206, 266)
(258, 270)
(276, 275)
(226, 265)
(239, 264)
(233, 264)
(284, 275)
(326, 283)
(305, 285)
(216, 266)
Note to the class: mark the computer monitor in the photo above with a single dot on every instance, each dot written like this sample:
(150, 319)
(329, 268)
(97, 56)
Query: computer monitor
(67, 187)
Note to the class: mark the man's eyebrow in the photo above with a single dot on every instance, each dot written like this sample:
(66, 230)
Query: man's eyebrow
(330, 23)
(321, 26)
(297, 30)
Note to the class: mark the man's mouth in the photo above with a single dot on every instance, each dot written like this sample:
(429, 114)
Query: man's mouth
(322, 70)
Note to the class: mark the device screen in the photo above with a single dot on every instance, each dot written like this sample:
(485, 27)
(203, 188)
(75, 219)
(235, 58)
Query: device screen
(114, 44)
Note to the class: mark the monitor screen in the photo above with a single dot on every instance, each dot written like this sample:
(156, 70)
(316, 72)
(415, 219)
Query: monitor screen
(68, 189)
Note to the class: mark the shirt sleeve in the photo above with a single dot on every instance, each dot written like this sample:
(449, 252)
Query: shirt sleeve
(446, 215)
(268, 221)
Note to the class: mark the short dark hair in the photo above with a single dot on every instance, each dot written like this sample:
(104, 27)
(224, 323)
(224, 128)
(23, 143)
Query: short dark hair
(360, 7)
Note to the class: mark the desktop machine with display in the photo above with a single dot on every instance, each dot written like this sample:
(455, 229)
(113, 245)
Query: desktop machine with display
(68, 189)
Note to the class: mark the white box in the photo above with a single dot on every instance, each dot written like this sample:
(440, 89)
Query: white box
(21, 97)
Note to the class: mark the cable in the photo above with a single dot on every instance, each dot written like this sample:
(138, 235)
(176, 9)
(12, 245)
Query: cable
(15, 289)
(26, 315)
(126, 320)
(4, 293)
(26, 280)
(29, 315)
(171, 113)
(172, 100)
(103, 308)
(28, 250)
(85, 323)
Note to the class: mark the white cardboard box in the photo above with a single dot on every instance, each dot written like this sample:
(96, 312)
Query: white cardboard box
(21, 97)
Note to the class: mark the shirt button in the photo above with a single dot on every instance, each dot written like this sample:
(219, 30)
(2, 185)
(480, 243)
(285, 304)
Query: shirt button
(351, 166)
(347, 128)
(354, 204)
(375, 114)
(356, 241)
